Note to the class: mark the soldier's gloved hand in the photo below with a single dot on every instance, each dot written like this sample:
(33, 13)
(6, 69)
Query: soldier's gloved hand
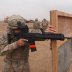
(51, 29)
(20, 42)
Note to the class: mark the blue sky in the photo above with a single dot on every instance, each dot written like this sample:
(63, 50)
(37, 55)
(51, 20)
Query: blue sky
(31, 9)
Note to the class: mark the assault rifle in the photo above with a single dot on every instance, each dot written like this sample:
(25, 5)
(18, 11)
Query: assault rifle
(32, 37)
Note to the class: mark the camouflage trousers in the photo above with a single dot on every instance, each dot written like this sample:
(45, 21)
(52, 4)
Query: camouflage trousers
(16, 66)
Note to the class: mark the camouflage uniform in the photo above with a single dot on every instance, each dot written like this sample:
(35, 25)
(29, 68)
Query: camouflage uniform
(36, 27)
(44, 24)
(16, 58)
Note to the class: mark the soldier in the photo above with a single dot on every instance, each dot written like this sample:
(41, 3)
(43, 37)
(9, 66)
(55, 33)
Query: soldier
(36, 26)
(16, 52)
(44, 24)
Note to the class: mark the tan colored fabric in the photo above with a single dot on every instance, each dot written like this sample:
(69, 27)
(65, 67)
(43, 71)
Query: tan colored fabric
(16, 59)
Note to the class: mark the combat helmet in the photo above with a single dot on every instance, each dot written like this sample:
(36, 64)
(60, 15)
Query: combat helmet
(16, 21)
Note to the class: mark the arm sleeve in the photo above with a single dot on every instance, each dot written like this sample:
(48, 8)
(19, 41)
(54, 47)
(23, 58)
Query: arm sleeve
(6, 48)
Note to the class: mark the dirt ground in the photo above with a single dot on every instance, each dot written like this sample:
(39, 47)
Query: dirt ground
(39, 61)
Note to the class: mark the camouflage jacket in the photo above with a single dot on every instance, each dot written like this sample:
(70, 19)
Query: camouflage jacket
(12, 51)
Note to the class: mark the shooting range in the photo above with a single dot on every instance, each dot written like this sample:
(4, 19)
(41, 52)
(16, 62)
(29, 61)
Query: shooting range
(51, 55)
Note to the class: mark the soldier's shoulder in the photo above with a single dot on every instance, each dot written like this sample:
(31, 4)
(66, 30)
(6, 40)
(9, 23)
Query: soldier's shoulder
(3, 38)
(3, 35)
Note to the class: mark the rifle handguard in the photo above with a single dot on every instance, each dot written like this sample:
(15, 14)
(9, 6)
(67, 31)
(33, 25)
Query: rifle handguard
(55, 36)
